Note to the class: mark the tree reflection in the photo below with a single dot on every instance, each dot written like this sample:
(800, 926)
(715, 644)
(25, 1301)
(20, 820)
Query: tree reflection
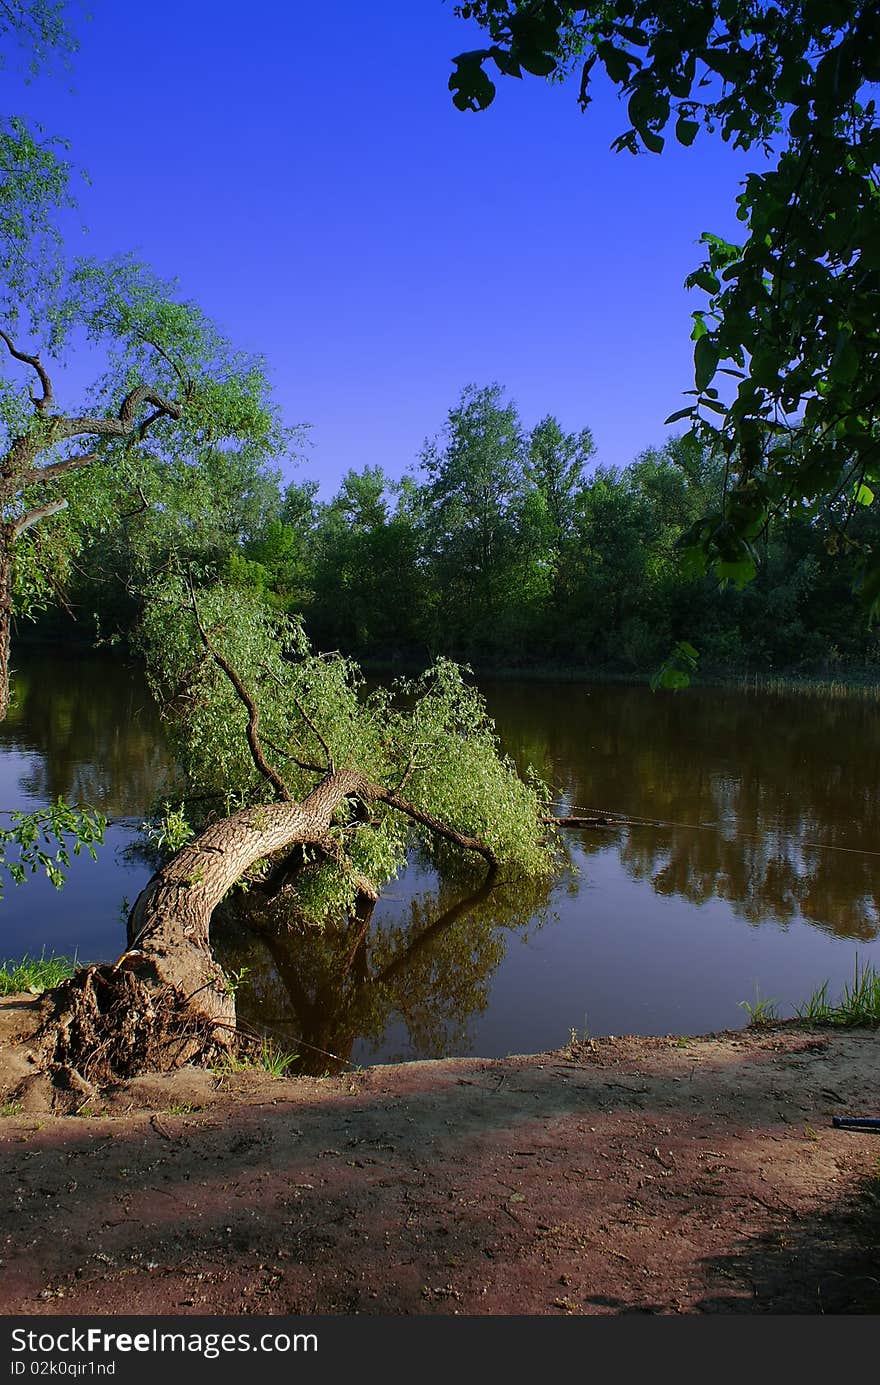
(769, 803)
(94, 728)
(426, 967)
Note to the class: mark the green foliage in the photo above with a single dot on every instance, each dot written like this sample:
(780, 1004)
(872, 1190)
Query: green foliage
(479, 512)
(365, 588)
(793, 311)
(153, 337)
(676, 670)
(45, 838)
(40, 29)
(169, 831)
(34, 188)
(34, 175)
(556, 467)
(583, 565)
(431, 736)
(190, 478)
(761, 1011)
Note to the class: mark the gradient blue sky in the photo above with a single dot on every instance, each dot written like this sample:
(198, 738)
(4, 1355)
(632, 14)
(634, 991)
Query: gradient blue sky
(301, 169)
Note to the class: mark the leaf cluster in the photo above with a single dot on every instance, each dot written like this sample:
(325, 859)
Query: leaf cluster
(45, 839)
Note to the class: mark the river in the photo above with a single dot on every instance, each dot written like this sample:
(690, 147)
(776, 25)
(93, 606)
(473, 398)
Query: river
(753, 872)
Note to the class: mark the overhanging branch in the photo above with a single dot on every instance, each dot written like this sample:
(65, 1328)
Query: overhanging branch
(41, 402)
(20, 526)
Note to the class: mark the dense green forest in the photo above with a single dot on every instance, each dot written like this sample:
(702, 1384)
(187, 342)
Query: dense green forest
(507, 546)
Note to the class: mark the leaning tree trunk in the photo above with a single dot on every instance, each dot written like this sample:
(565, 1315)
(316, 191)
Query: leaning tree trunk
(168, 929)
(166, 1001)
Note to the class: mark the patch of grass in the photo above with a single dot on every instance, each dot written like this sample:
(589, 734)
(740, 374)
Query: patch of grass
(35, 974)
(265, 1058)
(231, 1063)
(274, 1061)
(818, 1008)
(760, 1012)
(859, 1002)
(11, 1108)
(182, 1108)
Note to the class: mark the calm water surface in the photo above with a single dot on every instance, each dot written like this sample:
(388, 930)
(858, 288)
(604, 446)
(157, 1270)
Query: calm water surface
(760, 877)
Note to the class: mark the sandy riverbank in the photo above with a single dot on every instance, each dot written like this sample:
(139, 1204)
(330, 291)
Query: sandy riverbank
(629, 1174)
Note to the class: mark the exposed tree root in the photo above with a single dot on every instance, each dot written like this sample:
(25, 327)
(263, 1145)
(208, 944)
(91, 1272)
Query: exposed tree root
(108, 1023)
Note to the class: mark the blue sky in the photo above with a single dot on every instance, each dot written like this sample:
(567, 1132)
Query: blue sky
(301, 169)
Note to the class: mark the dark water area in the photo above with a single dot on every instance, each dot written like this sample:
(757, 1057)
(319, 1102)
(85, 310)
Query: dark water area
(754, 872)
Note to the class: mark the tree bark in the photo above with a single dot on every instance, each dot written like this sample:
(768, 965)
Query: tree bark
(169, 925)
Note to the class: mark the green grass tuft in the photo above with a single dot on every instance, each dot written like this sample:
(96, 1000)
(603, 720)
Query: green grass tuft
(265, 1058)
(760, 1011)
(859, 1001)
(35, 974)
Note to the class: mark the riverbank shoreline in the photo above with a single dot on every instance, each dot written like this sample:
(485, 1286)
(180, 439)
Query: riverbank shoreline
(627, 1174)
(858, 681)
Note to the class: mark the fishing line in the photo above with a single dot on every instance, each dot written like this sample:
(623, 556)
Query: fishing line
(619, 820)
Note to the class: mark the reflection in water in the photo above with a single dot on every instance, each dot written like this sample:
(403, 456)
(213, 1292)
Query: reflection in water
(94, 729)
(770, 817)
(770, 803)
(428, 966)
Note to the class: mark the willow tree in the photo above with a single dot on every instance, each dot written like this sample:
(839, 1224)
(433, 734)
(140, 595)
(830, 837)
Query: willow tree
(169, 388)
(309, 788)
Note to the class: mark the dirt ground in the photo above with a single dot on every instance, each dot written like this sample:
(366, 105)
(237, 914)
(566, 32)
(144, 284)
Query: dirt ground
(620, 1175)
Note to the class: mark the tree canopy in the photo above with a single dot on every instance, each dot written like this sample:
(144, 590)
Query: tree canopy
(787, 347)
(34, 172)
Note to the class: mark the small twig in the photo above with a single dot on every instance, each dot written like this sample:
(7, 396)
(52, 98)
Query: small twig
(144, 505)
(406, 776)
(244, 696)
(289, 755)
(41, 402)
(302, 764)
(331, 768)
(584, 821)
(383, 795)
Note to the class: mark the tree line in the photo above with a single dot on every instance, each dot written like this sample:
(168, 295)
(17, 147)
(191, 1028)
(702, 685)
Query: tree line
(505, 546)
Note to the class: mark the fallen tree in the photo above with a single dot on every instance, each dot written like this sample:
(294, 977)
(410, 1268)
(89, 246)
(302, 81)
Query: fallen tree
(308, 786)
